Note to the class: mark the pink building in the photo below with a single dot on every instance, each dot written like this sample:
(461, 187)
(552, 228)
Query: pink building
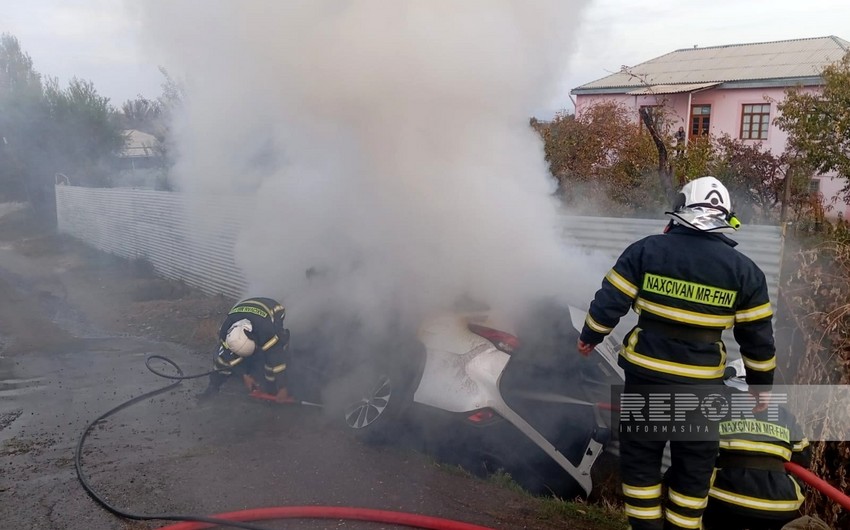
(729, 89)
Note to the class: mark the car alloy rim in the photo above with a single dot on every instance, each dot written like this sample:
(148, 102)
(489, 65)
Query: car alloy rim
(362, 413)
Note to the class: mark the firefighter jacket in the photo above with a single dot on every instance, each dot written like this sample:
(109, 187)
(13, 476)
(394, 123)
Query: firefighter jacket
(750, 478)
(272, 340)
(686, 286)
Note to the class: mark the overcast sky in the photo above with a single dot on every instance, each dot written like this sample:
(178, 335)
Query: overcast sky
(98, 40)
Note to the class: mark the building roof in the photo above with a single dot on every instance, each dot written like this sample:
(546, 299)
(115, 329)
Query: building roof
(781, 62)
(670, 89)
(138, 144)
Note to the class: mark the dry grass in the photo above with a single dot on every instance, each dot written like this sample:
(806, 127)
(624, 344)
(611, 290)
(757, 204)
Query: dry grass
(599, 514)
(817, 295)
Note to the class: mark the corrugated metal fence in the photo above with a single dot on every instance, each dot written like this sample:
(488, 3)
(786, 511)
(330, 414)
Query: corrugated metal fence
(762, 244)
(156, 226)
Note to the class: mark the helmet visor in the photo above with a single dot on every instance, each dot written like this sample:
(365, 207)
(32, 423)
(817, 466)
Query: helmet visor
(703, 218)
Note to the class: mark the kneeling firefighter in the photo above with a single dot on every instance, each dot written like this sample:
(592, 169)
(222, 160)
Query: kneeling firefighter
(253, 340)
(751, 488)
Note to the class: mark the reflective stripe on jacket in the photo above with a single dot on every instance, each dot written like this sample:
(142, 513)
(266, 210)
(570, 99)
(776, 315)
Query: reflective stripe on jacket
(272, 339)
(692, 280)
(742, 483)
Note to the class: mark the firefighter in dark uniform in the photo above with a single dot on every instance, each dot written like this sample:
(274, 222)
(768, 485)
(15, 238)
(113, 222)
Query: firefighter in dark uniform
(751, 489)
(253, 340)
(687, 285)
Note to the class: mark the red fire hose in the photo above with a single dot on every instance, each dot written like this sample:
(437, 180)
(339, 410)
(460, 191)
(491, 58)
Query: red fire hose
(330, 512)
(239, 519)
(819, 484)
(334, 512)
(435, 523)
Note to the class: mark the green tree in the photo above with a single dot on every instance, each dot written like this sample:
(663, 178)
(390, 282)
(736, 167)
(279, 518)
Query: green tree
(753, 176)
(756, 178)
(602, 153)
(818, 123)
(155, 117)
(654, 120)
(48, 130)
(695, 161)
(85, 138)
(22, 117)
(142, 114)
(657, 120)
(169, 104)
(17, 76)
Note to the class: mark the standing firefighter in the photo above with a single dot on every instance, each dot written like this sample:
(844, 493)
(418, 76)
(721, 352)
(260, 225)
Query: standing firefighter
(687, 285)
(751, 489)
(253, 340)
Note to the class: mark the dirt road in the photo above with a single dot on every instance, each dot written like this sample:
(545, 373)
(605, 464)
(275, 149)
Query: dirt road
(75, 329)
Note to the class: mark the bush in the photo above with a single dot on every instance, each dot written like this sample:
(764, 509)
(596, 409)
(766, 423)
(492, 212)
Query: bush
(817, 297)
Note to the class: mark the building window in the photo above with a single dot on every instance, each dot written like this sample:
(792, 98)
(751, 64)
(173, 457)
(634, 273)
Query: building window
(814, 186)
(700, 120)
(754, 122)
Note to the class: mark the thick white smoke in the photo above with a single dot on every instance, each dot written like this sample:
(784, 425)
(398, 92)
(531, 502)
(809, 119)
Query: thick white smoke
(385, 144)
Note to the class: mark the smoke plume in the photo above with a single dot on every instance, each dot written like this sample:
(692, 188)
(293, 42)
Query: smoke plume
(382, 148)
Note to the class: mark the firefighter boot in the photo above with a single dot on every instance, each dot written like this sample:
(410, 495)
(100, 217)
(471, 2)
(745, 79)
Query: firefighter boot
(216, 380)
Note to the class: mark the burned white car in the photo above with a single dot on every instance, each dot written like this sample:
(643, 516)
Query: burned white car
(518, 398)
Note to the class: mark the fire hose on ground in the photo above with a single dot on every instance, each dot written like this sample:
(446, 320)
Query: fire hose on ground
(238, 519)
(334, 512)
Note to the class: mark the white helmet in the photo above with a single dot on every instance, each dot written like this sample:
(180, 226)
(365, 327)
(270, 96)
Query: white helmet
(237, 339)
(704, 204)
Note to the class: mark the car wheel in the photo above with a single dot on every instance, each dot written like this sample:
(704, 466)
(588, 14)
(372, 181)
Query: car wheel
(376, 416)
(372, 395)
(361, 414)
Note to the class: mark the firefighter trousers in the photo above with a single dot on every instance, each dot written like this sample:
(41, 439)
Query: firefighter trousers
(720, 517)
(687, 481)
